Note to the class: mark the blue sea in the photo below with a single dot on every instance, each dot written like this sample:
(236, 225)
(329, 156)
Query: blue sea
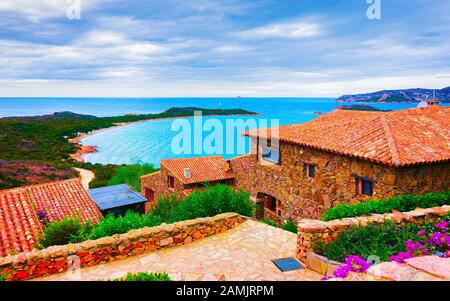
(150, 141)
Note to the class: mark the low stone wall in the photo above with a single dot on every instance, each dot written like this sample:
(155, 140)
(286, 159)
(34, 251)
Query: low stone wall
(58, 259)
(310, 231)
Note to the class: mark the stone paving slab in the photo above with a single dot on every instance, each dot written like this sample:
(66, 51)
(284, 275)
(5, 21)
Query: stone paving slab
(426, 268)
(242, 253)
(434, 265)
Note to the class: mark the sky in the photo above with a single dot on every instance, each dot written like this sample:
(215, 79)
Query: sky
(206, 48)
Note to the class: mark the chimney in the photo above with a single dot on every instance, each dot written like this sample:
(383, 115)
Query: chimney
(226, 166)
(433, 101)
(187, 173)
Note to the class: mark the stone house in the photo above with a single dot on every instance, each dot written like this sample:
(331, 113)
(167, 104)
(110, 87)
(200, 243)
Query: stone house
(182, 176)
(344, 157)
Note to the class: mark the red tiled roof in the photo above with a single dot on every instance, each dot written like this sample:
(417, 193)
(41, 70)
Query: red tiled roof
(19, 224)
(400, 138)
(203, 169)
(64, 198)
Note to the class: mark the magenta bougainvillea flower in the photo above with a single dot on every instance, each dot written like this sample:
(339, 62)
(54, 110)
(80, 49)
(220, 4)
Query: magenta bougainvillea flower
(413, 246)
(400, 257)
(437, 243)
(353, 263)
(442, 226)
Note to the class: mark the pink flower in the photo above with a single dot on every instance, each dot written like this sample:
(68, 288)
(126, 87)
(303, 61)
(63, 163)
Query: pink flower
(442, 226)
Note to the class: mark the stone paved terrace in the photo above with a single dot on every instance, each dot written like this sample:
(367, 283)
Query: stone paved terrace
(242, 253)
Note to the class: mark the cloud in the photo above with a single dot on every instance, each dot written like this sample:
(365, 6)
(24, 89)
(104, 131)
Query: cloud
(218, 48)
(289, 30)
(232, 48)
(37, 10)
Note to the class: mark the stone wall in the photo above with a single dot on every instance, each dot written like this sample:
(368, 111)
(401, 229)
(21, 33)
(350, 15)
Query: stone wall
(58, 259)
(310, 231)
(304, 197)
(158, 182)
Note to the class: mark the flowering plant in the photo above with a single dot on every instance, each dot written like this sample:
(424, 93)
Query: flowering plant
(353, 263)
(434, 243)
(43, 218)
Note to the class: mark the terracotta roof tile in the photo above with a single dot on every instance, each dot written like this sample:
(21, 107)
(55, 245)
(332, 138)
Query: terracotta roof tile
(404, 137)
(19, 224)
(202, 169)
(64, 198)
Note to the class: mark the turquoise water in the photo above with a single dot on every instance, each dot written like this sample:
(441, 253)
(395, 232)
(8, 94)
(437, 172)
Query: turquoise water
(151, 141)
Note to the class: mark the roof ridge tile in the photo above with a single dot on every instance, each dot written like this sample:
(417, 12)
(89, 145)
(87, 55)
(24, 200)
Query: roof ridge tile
(390, 140)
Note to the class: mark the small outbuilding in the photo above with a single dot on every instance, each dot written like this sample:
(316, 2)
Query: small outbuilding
(117, 199)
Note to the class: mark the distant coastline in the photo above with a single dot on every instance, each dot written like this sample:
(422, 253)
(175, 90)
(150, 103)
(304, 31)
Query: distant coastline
(399, 96)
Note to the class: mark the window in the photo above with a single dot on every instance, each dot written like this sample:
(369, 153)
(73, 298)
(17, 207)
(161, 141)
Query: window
(279, 210)
(272, 204)
(310, 170)
(364, 185)
(171, 182)
(271, 155)
(149, 194)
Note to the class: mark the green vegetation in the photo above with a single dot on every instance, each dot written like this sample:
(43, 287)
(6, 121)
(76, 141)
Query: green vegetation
(381, 240)
(269, 222)
(111, 225)
(287, 225)
(143, 276)
(290, 226)
(209, 202)
(68, 230)
(130, 175)
(402, 203)
(44, 140)
(360, 107)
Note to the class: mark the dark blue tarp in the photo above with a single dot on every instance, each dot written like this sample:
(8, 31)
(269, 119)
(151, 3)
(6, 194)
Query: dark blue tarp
(115, 196)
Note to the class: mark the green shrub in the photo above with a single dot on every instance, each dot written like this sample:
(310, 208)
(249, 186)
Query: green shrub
(111, 225)
(165, 207)
(381, 240)
(211, 201)
(143, 276)
(130, 174)
(215, 200)
(290, 226)
(403, 203)
(269, 222)
(68, 230)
